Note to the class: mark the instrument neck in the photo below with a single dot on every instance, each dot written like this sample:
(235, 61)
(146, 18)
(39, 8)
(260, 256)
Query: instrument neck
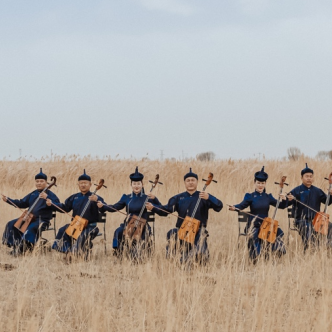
(277, 205)
(197, 204)
(35, 203)
(328, 199)
(143, 207)
(87, 205)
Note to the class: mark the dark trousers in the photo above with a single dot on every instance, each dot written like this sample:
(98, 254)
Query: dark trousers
(255, 244)
(199, 248)
(65, 243)
(309, 235)
(12, 237)
(118, 238)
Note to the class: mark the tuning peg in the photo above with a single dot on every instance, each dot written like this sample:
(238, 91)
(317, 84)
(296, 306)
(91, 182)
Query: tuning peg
(327, 179)
(211, 180)
(279, 183)
(160, 182)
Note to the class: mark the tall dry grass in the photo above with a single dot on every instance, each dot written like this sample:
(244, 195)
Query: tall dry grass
(40, 292)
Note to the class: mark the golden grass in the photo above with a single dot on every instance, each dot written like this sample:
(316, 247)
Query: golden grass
(39, 292)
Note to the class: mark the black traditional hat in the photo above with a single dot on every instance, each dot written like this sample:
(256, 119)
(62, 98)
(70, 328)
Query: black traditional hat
(41, 176)
(84, 177)
(190, 174)
(306, 170)
(136, 176)
(261, 176)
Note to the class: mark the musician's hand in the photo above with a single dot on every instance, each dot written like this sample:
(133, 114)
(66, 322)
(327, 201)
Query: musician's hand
(100, 204)
(93, 198)
(283, 197)
(204, 195)
(43, 195)
(48, 202)
(290, 197)
(151, 196)
(232, 208)
(149, 206)
(4, 198)
(331, 191)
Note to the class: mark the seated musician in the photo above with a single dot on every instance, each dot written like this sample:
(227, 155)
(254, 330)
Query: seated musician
(12, 237)
(133, 202)
(259, 202)
(312, 197)
(78, 203)
(184, 204)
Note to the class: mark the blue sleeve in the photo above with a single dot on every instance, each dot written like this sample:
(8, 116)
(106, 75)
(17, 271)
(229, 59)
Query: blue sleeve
(170, 207)
(66, 206)
(21, 203)
(215, 203)
(117, 206)
(282, 205)
(273, 201)
(53, 197)
(245, 203)
(154, 201)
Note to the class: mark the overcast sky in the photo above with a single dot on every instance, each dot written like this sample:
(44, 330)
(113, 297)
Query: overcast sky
(132, 77)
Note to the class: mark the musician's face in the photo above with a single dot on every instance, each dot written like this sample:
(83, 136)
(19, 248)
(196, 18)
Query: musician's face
(84, 186)
(307, 179)
(137, 186)
(41, 184)
(191, 184)
(260, 186)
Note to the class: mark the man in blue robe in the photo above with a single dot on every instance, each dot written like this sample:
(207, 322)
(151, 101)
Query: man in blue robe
(303, 216)
(184, 204)
(82, 204)
(14, 238)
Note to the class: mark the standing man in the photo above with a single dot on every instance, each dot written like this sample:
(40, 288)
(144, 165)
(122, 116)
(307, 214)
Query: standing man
(312, 197)
(13, 237)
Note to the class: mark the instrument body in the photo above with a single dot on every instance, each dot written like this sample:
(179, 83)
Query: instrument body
(321, 223)
(268, 230)
(134, 228)
(188, 230)
(76, 227)
(322, 219)
(28, 217)
(269, 226)
(190, 226)
(24, 221)
(136, 224)
(78, 224)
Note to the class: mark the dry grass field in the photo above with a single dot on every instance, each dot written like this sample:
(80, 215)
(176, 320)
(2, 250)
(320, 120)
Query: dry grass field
(40, 292)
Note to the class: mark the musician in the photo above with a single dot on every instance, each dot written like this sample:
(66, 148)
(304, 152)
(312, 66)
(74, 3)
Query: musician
(312, 197)
(259, 202)
(133, 203)
(14, 238)
(78, 203)
(184, 204)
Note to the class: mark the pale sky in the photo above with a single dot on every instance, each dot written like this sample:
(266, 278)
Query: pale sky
(134, 77)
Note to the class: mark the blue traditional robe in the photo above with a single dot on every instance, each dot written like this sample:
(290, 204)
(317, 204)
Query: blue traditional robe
(184, 204)
(313, 197)
(259, 204)
(77, 203)
(12, 237)
(133, 204)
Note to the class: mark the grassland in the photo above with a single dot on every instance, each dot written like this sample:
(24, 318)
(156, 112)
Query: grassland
(40, 292)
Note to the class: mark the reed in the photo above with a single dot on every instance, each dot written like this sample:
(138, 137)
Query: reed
(41, 292)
